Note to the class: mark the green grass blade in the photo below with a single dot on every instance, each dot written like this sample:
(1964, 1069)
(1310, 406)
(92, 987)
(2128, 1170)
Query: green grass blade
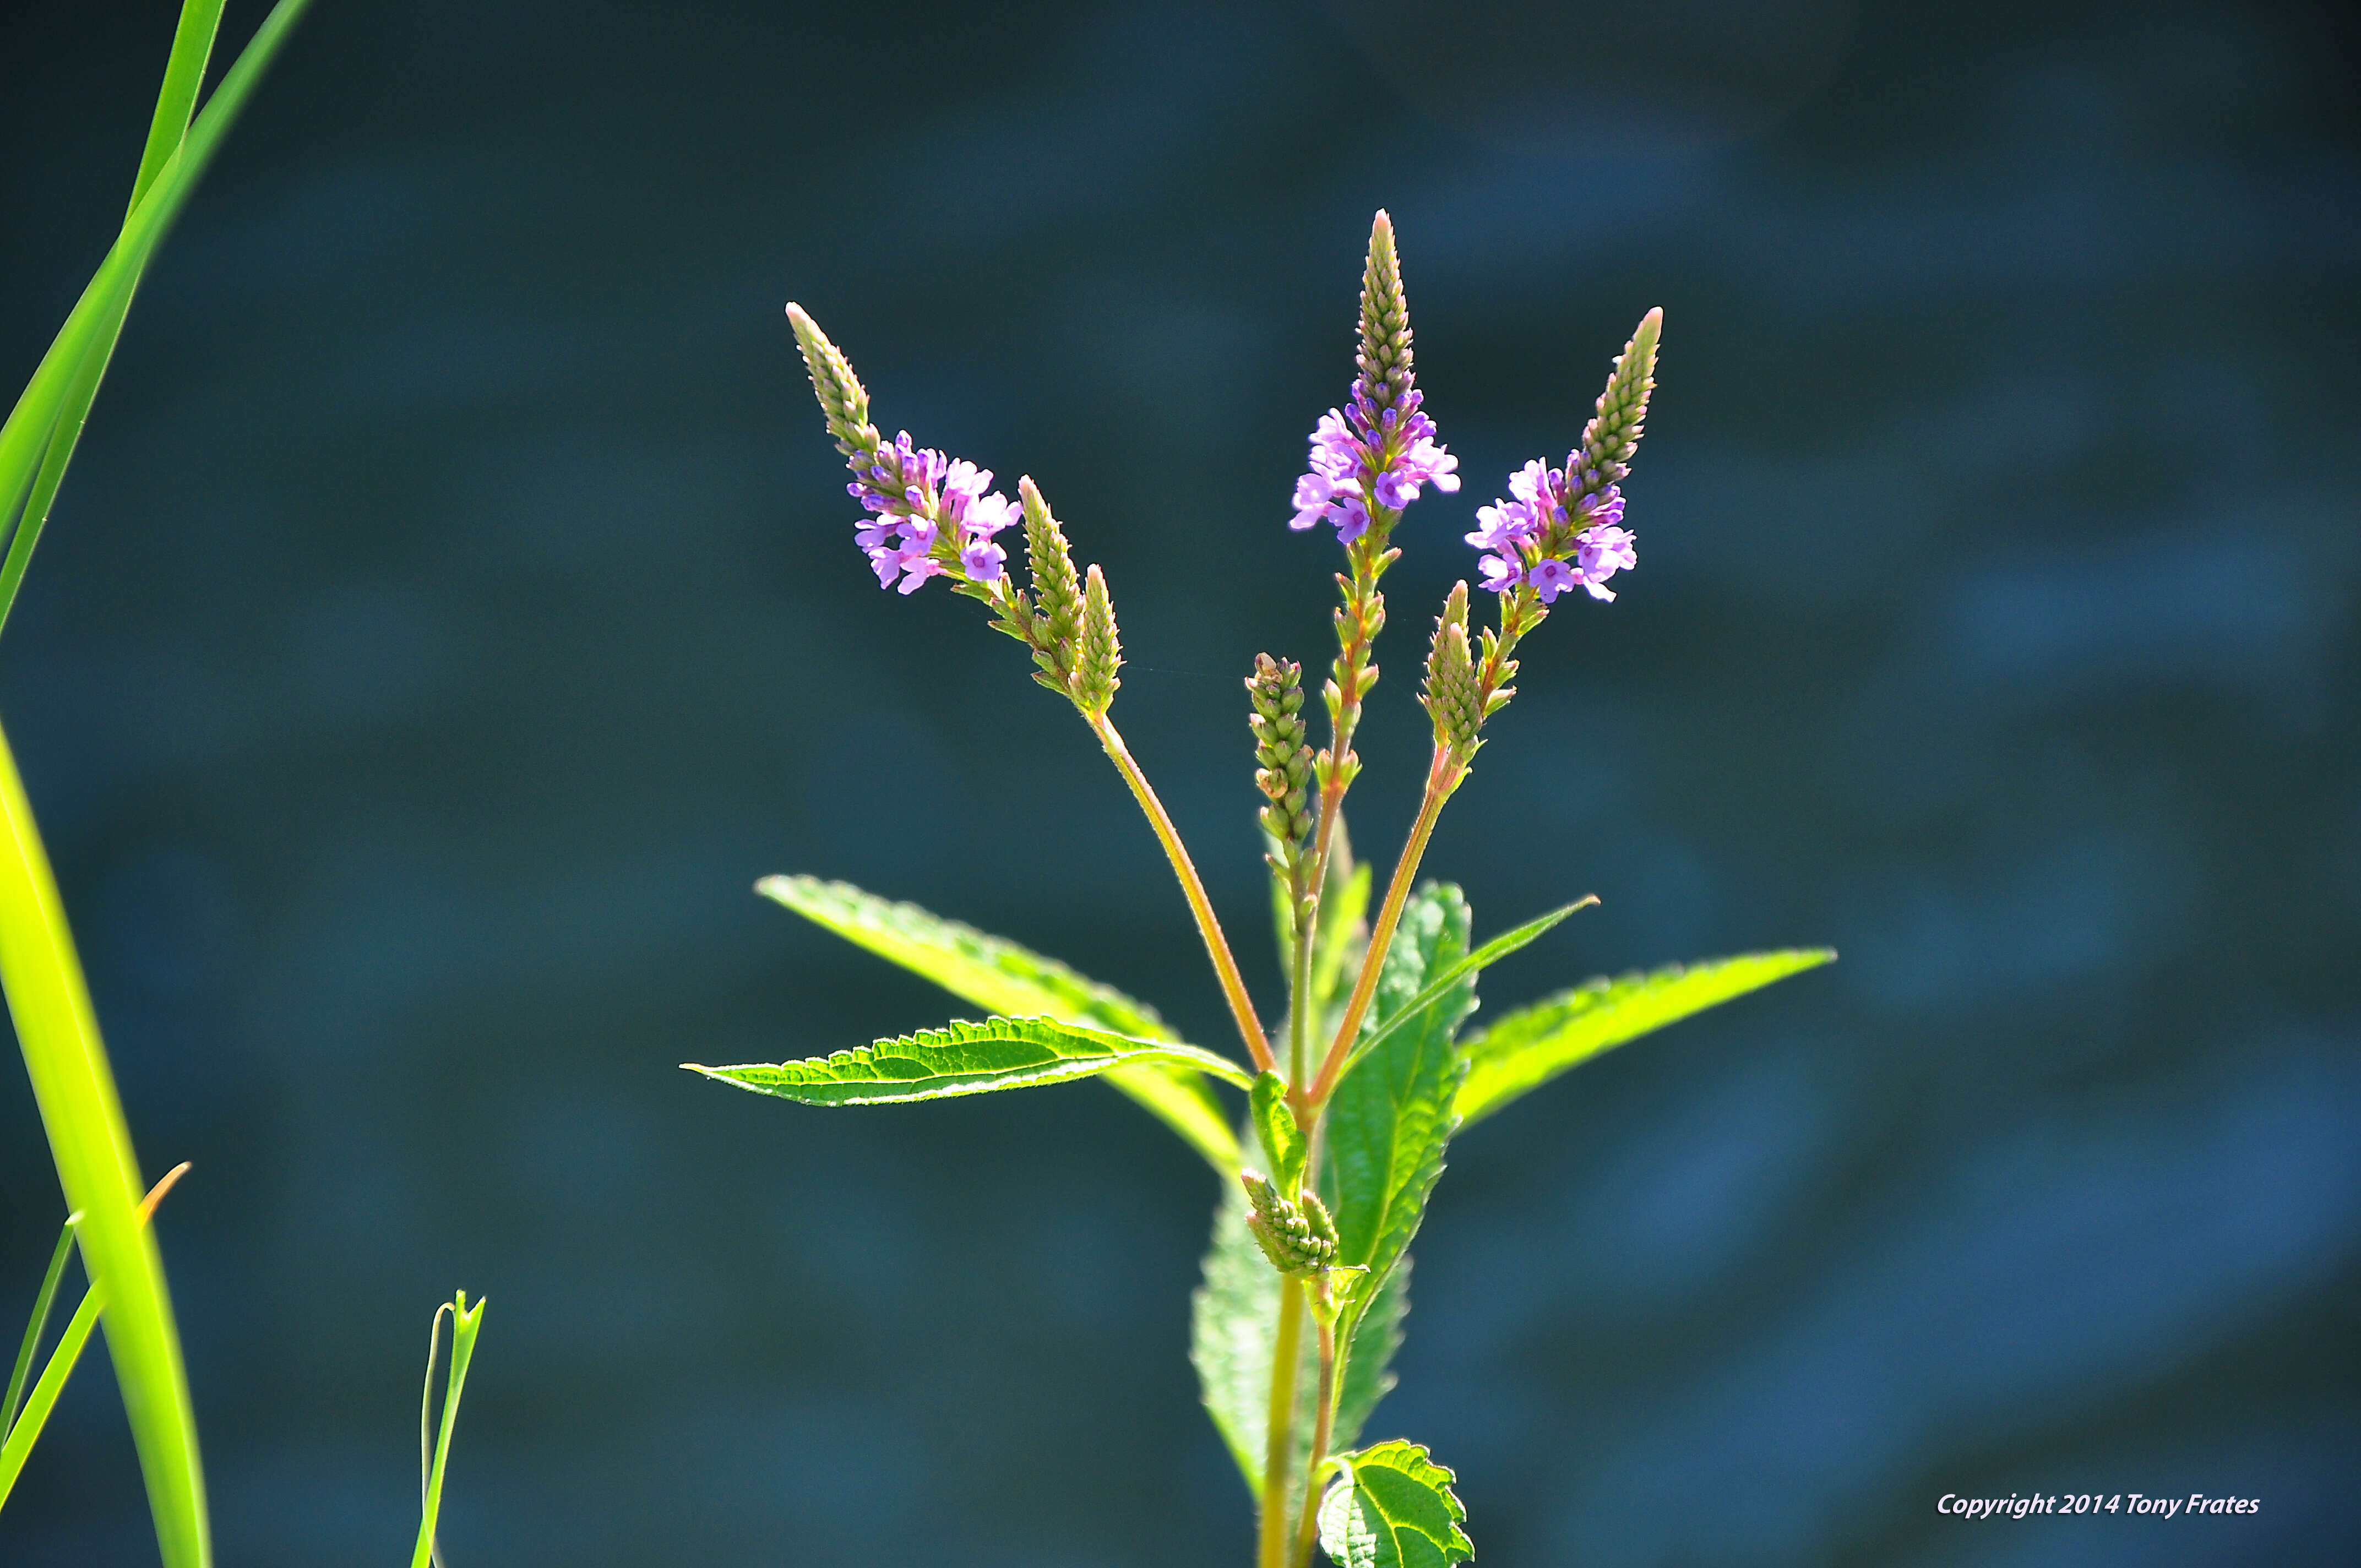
(41, 430)
(999, 975)
(35, 1328)
(185, 74)
(1530, 1046)
(84, 1117)
(63, 1360)
(465, 1321)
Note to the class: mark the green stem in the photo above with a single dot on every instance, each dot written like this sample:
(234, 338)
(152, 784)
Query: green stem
(1298, 985)
(465, 1321)
(1323, 1427)
(1209, 927)
(1442, 777)
(1280, 1438)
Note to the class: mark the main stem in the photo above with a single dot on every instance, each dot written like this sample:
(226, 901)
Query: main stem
(1323, 1426)
(1442, 777)
(1279, 1441)
(1217, 946)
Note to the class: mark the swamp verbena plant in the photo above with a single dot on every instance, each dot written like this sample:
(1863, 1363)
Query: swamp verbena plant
(1353, 1099)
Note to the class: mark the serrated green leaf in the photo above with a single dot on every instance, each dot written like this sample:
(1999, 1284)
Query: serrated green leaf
(1375, 1034)
(1282, 1140)
(1393, 1507)
(1000, 975)
(962, 1058)
(1387, 1122)
(1368, 1370)
(1533, 1044)
(1233, 1322)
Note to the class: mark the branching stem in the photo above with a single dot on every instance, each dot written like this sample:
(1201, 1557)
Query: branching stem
(1443, 776)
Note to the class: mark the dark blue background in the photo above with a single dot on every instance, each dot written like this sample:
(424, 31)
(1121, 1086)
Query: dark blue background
(452, 611)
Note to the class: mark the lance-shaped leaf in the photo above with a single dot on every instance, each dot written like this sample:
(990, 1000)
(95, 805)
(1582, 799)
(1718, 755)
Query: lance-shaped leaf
(1387, 1121)
(1232, 1327)
(962, 1059)
(1533, 1044)
(1377, 1027)
(1393, 1507)
(998, 974)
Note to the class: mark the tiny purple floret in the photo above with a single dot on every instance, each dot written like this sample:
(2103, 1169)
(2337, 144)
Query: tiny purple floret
(1360, 458)
(914, 495)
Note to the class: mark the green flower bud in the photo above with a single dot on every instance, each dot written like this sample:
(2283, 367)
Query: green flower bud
(1100, 653)
(1298, 1238)
(843, 402)
(1613, 434)
(1452, 698)
(1385, 357)
(1282, 757)
(1054, 607)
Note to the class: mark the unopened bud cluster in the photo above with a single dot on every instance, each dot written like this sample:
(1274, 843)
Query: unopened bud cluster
(1298, 1238)
(1452, 698)
(1282, 756)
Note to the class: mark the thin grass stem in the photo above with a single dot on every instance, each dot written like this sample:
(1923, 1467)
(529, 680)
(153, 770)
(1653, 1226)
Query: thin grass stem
(36, 1327)
(465, 1321)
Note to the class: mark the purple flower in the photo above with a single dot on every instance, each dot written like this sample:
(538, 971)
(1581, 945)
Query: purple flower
(1577, 535)
(1603, 549)
(987, 515)
(1360, 458)
(1506, 524)
(982, 560)
(1500, 573)
(930, 515)
(1551, 578)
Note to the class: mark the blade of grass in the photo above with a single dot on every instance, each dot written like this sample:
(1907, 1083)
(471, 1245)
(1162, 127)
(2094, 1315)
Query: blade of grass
(463, 1322)
(35, 1329)
(185, 74)
(27, 1431)
(38, 440)
(72, 1084)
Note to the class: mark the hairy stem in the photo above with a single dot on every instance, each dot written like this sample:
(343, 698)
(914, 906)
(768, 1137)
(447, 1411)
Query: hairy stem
(1323, 1426)
(1442, 777)
(1279, 1440)
(1217, 946)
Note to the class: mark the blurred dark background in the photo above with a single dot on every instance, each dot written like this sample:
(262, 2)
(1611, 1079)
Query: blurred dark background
(452, 611)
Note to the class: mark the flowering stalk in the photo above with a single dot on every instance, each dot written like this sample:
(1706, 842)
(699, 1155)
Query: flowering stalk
(1368, 463)
(932, 517)
(1564, 528)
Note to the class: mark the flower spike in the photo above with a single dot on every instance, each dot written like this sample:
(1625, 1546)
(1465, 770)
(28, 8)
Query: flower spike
(1370, 459)
(929, 516)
